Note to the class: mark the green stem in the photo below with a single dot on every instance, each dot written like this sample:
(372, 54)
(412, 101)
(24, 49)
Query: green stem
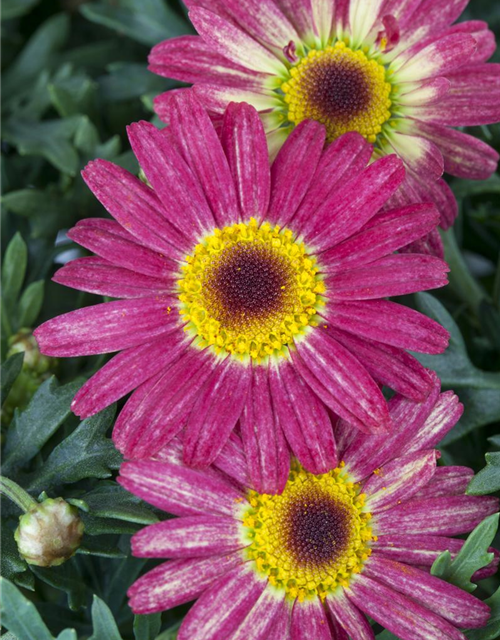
(461, 279)
(18, 495)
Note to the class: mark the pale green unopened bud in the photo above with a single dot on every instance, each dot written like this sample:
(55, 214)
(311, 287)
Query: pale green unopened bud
(49, 533)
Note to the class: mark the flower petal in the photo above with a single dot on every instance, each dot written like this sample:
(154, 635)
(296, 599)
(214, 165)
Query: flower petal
(178, 489)
(459, 607)
(303, 418)
(340, 381)
(216, 410)
(106, 327)
(224, 606)
(293, 170)
(309, 620)
(192, 536)
(126, 371)
(266, 450)
(422, 155)
(447, 481)
(244, 142)
(262, 617)
(176, 582)
(349, 616)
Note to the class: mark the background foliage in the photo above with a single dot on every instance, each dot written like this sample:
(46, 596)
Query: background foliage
(74, 75)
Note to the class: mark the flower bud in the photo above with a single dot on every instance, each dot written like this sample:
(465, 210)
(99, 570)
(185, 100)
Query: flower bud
(50, 533)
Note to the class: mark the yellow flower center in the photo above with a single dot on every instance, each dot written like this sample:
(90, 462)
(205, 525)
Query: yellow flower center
(341, 88)
(310, 539)
(250, 290)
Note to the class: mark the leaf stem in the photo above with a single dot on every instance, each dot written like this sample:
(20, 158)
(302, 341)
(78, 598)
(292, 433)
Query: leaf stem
(18, 495)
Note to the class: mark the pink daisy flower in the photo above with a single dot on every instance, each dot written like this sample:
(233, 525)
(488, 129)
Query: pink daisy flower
(397, 71)
(331, 549)
(247, 293)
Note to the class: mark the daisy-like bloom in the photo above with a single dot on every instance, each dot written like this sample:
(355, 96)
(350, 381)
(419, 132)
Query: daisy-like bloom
(248, 294)
(332, 548)
(396, 71)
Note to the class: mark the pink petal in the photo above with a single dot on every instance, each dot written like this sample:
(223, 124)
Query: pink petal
(97, 275)
(399, 614)
(399, 480)
(174, 583)
(179, 490)
(349, 616)
(266, 450)
(293, 170)
(135, 206)
(389, 323)
(244, 143)
(355, 202)
(384, 234)
(453, 604)
(263, 616)
(196, 138)
(394, 275)
(447, 481)
(168, 58)
(107, 327)
(447, 516)
(216, 410)
(159, 408)
(340, 381)
(176, 186)
(303, 418)
(224, 606)
(125, 372)
(422, 155)
(388, 365)
(192, 536)
(309, 621)
(232, 462)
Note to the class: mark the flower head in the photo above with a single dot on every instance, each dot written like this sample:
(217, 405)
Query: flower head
(330, 549)
(50, 533)
(398, 72)
(249, 294)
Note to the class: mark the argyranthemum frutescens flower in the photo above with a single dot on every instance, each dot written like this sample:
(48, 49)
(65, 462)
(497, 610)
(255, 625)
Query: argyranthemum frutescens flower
(249, 294)
(310, 562)
(396, 71)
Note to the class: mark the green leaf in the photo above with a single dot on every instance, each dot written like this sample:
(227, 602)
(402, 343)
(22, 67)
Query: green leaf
(73, 95)
(31, 429)
(11, 368)
(147, 627)
(85, 453)
(17, 8)
(478, 390)
(102, 546)
(492, 629)
(386, 635)
(147, 21)
(67, 634)
(14, 270)
(11, 562)
(50, 139)
(65, 578)
(472, 556)
(488, 479)
(103, 621)
(171, 633)
(127, 81)
(110, 500)
(20, 616)
(30, 303)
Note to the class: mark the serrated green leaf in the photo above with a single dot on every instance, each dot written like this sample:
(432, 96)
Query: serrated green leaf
(16, 8)
(20, 616)
(50, 139)
(30, 303)
(31, 429)
(110, 500)
(11, 562)
(103, 621)
(488, 479)
(147, 21)
(85, 453)
(11, 368)
(472, 556)
(67, 578)
(147, 627)
(478, 390)
(492, 629)
(14, 270)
